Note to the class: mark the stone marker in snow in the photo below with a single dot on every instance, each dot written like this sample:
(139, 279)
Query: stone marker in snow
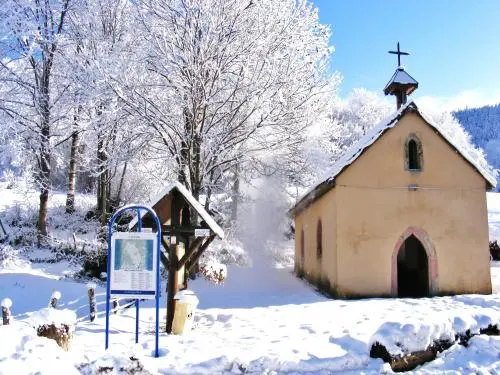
(58, 325)
(54, 298)
(92, 301)
(6, 305)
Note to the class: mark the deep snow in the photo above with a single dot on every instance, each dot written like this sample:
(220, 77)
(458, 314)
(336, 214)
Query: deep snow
(261, 320)
(253, 321)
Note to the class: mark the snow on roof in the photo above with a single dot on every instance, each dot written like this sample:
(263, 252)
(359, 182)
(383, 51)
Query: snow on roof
(371, 136)
(191, 200)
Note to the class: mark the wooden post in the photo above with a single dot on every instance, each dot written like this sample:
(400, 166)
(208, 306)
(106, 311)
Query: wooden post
(115, 305)
(173, 274)
(92, 301)
(54, 298)
(172, 286)
(180, 250)
(6, 305)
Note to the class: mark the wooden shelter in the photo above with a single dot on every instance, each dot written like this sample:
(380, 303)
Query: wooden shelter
(183, 242)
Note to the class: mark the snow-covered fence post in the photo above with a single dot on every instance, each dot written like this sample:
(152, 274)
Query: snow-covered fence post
(54, 298)
(92, 301)
(6, 305)
(115, 305)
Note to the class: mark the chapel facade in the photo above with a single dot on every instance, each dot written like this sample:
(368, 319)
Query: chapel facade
(403, 213)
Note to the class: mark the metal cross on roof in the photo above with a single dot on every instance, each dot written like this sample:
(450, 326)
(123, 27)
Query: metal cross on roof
(399, 53)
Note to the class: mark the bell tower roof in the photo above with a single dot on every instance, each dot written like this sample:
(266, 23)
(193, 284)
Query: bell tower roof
(401, 83)
(400, 80)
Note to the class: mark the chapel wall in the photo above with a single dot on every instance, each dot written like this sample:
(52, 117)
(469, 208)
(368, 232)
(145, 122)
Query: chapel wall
(318, 270)
(375, 206)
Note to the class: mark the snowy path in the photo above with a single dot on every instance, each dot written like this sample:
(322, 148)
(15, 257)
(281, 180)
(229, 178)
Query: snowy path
(280, 325)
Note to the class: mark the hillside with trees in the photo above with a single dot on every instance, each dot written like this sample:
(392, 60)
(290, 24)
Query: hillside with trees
(483, 124)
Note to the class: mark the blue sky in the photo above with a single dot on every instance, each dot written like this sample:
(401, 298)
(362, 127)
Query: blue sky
(454, 46)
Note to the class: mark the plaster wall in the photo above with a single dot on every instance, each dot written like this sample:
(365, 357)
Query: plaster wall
(306, 222)
(370, 210)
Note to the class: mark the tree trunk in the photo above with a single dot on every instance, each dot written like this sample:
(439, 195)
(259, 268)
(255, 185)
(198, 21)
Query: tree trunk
(120, 185)
(70, 198)
(235, 190)
(102, 198)
(102, 180)
(44, 157)
(99, 171)
(208, 197)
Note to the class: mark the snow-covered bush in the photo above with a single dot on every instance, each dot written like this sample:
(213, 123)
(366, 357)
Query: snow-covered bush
(214, 272)
(10, 178)
(94, 261)
(7, 252)
(226, 251)
(21, 218)
(494, 250)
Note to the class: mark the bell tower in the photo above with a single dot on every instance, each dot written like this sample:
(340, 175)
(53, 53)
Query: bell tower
(401, 84)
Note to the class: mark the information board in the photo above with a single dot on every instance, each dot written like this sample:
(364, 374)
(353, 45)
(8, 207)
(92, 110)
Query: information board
(133, 265)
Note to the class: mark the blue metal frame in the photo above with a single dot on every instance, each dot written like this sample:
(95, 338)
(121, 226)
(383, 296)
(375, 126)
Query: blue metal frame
(138, 209)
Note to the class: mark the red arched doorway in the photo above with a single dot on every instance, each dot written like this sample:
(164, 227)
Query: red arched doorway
(414, 265)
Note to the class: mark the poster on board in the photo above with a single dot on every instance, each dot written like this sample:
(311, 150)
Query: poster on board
(133, 265)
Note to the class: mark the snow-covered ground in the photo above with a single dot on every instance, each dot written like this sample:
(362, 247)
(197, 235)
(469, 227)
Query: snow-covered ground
(262, 320)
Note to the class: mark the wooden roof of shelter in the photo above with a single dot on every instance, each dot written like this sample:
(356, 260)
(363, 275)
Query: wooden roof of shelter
(162, 205)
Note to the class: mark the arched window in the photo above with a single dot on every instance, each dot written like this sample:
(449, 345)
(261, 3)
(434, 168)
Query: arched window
(302, 250)
(319, 240)
(413, 153)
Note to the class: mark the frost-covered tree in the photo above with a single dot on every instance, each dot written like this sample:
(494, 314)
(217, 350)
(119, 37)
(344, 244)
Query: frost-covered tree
(346, 121)
(224, 80)
(30, 34)
(103, 37)
(460, 137)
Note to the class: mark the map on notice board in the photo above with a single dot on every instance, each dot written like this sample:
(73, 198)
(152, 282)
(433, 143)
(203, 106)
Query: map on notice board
(133, 266)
